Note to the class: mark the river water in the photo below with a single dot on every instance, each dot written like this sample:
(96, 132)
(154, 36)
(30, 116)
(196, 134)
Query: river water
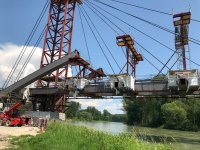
(180, 139)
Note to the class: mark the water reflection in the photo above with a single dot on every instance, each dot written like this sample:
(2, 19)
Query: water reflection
(110, 127)
(181, 139)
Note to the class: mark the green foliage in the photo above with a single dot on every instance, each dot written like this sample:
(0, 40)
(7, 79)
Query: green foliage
(91, 113)
(151, 113)
(73, 109)
(143, 111)
(95, 112)
(67, 137)
(106, 116)
(174, 115)
(119, 118)
(84, 115)
(132, 107)
(159, 77)
(182, 114)
(193, 114)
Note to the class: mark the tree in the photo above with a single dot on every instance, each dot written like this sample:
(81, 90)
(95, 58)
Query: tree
(182, 114)
(193, 114)
(151, 112)
(119, 118)
(74, 108)
(174, 115)
(106, 115)
(159, 77)
(95, 113)
(84, 115)
(144, 111)
(133, 110)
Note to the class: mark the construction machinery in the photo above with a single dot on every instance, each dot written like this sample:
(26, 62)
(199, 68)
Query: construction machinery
(12, 116)
(55, 84)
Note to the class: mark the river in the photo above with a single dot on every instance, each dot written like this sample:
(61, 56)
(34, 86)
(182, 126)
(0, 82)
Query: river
(180, 139)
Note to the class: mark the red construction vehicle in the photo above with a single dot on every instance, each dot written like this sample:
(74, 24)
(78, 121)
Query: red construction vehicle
(12, 117)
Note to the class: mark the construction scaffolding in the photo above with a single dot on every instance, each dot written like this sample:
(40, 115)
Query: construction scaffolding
(181, 24)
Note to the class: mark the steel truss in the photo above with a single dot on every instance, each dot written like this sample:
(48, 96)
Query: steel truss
(57, 43)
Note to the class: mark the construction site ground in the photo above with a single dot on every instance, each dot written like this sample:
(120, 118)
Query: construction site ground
(6, 133)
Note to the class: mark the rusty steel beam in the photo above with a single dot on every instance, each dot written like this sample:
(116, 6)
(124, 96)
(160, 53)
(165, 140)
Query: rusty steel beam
(83, 66)
(132, 55)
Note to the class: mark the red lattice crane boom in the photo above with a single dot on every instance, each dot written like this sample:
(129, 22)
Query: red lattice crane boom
(57, 43)
(58, 36)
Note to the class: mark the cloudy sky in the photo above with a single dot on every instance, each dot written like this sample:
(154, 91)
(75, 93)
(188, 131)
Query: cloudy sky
(18, 18)
(9, 52)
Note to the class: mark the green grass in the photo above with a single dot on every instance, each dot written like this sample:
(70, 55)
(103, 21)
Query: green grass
(60, 136)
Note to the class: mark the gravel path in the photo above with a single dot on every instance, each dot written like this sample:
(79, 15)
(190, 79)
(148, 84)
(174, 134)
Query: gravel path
(7, 132)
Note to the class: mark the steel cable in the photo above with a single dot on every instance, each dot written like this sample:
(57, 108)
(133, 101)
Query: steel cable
(25, 45)
(140, 31)
(86, 44)
(151, 23)
(149, 9)
(97, 40)
(122, 31)
(102, 40)
(30, 55)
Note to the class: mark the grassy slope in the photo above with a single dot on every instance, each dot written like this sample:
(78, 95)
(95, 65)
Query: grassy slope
(68, 137)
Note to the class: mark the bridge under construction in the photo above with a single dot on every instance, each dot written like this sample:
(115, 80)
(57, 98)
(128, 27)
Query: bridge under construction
(54, 86)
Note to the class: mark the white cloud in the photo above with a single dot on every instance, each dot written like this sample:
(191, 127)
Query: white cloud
(112, 105)
(85, 103)
(115, 108)
(9, 53)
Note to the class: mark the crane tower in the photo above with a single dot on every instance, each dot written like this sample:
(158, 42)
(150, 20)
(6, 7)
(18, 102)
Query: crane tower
(57, 43)
(58, 37)
(181, 24)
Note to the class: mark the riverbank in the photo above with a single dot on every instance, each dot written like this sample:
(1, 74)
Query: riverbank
(63, 136)
(181, 140)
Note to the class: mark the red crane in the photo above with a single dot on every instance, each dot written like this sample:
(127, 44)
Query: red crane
(57, 42)
(11, 117)
(58, 37)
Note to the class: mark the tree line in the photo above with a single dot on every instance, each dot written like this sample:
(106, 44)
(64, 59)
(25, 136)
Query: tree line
(74, 111)
(179, 114)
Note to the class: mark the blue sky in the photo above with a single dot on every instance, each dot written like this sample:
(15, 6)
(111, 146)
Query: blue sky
(18, 17)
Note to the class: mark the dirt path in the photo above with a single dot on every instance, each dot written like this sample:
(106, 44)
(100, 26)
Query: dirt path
(3, 142)
(7, 132)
